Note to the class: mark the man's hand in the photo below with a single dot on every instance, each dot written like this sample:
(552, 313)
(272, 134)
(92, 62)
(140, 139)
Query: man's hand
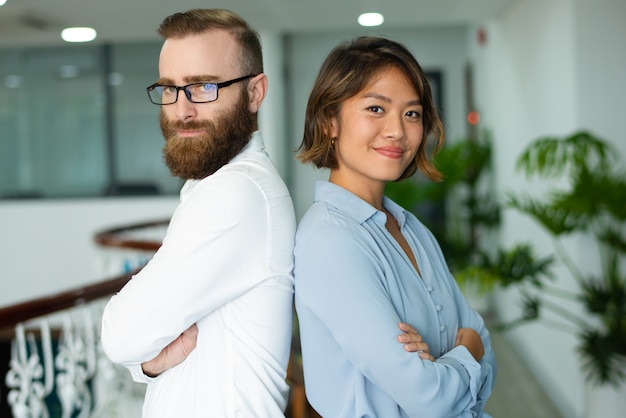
(471, 340)
(174, 353)
(413, 342)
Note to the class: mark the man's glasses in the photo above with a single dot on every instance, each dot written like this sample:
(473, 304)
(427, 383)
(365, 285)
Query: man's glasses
(163, 94)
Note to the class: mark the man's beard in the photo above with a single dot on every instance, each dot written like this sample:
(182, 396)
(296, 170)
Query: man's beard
(200, 156)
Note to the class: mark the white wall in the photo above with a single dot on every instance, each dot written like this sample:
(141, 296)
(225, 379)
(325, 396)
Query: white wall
(550, 68)
(46, 246)
(600, 67)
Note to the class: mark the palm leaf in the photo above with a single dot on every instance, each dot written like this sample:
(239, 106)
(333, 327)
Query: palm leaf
(463, 161)
(613, 239)
(557, 218)
(552, 156)
(518, 264)
(603, 360)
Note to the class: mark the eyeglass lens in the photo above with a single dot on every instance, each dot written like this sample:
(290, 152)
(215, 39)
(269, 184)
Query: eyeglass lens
(197, 92)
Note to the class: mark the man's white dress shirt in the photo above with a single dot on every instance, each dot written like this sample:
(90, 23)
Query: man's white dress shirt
(225, 264)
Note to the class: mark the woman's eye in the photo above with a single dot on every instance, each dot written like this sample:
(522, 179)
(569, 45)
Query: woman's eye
(414, 114)
(375, 109)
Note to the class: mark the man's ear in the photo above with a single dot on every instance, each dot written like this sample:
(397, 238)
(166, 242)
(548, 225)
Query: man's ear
(257, 89)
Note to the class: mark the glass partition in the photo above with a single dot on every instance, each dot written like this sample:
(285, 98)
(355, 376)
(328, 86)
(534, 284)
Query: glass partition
(76, 122)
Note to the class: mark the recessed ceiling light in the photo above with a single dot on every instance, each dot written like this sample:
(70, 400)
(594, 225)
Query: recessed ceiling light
(78, 34)
(371, 19)
(2, 2)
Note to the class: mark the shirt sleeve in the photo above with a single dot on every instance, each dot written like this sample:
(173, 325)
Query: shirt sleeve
(209, 257)
(339, 280)
(138, 375)
(469, 318)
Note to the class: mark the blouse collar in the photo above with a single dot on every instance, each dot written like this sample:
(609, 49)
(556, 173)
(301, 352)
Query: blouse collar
(355, 207)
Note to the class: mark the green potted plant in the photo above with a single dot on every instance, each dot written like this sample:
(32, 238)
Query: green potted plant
(593, 203)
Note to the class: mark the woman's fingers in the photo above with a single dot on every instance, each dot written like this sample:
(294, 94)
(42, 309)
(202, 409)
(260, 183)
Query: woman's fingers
(412, 341)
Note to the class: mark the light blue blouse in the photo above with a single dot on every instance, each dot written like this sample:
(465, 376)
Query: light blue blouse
(353, 285)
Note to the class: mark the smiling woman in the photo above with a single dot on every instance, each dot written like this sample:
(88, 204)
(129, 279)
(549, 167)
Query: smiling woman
(384, 328)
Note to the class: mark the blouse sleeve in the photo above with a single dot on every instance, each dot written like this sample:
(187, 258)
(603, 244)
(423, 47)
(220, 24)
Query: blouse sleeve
(469, 318)
(339, 281)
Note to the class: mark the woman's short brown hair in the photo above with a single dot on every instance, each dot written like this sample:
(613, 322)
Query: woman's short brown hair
(347, 70)
(198, 21)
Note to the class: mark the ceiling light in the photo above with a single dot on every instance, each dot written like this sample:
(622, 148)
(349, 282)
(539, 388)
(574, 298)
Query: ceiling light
(78, 34)
(2, 2)
(371, 19)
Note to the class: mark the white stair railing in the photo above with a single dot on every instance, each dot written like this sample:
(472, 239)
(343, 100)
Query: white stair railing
(57, 367)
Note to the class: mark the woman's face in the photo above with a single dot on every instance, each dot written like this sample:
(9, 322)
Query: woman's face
(378, 132)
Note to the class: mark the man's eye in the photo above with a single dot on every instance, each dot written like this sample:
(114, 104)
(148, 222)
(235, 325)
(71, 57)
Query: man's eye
(202, 88)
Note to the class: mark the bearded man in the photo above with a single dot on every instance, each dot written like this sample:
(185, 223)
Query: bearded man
(207, 323)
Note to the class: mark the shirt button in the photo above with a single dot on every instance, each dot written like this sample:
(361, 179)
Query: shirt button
(438, 307)
(430, 288)
(442, 328)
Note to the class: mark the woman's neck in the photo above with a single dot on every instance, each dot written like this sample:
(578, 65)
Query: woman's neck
(372, 192)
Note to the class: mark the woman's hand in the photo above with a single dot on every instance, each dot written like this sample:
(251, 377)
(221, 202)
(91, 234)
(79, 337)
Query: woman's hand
(471, 340)
(173, 354)
(413, 342)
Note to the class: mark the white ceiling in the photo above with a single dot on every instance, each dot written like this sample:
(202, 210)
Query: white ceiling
(39, 22)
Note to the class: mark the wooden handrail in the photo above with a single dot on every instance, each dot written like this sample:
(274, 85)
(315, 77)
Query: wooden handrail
(112, 237)
(20, 312)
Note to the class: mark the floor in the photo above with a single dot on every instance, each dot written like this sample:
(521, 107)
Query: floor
(516, 394)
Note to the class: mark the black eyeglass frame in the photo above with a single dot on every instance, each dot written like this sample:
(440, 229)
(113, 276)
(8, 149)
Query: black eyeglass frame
(184, 88)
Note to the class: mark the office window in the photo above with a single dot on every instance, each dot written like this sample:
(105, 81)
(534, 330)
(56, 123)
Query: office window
(51, 124)
(76, 122)
(138, 140)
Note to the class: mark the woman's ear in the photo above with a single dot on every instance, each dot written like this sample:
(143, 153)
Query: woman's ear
(332, 128)
(257, 89)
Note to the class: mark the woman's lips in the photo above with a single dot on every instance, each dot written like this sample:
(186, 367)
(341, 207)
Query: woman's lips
(391, 152)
